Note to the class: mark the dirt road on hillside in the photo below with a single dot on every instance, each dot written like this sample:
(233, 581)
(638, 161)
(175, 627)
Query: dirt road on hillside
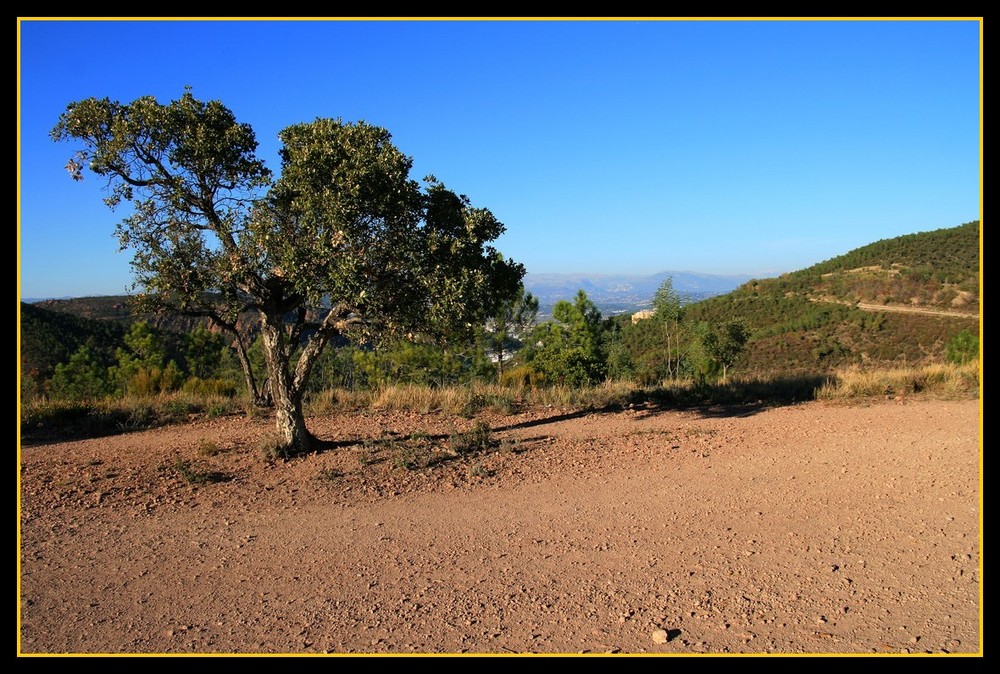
(815, 528)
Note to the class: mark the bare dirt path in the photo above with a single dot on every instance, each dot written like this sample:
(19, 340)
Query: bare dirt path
(900, 309)
(815, 528)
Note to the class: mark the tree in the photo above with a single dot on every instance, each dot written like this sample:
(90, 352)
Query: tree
(343, 242)
(204, 352)
(144, 350)
(512, 320)
(82, 377)
(725, 343)
(569, 349)
(962, 348)
(669, 313)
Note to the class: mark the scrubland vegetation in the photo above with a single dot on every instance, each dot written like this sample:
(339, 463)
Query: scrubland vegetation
(769, 342)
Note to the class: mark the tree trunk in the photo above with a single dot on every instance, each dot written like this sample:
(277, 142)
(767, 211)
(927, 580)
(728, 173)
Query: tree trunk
(500, 353)
(291, 423)
(259, 396)
(289, 420)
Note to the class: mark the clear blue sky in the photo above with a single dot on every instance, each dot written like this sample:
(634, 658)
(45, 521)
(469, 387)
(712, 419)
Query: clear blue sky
(605, 146)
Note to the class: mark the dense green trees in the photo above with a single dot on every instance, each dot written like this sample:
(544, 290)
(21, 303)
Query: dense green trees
(963, 348)
(81, 377)
(343, 242)
(570, 350)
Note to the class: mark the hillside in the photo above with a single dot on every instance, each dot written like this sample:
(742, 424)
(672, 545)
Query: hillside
(938, 269)
(894, 301)
(118, 308)
(50, 337)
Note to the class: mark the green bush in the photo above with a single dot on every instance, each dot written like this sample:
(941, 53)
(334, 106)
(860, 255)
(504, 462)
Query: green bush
(963, 348)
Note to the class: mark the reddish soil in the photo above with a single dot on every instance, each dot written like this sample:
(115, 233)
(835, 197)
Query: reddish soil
(815, 528)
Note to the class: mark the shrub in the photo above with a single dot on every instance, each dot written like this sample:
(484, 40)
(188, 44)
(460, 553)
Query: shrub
(477, 439)
(193, 475)
(963, 348)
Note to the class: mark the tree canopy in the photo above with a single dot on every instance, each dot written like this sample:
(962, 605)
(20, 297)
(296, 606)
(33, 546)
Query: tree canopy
(342, 242)
(569, 349)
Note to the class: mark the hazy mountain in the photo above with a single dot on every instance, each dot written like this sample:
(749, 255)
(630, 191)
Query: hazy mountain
(620, 293)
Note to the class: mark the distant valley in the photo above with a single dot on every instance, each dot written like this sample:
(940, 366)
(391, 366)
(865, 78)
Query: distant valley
(623, 293)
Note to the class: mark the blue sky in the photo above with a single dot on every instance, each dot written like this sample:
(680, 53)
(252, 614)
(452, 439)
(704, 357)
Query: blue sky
(604, 146)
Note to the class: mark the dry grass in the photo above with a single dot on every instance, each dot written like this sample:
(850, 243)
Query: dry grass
(115, 415)
(459, 400)
(949, 381)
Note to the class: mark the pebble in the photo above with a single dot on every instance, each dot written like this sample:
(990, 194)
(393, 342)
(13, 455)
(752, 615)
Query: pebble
(660, 636)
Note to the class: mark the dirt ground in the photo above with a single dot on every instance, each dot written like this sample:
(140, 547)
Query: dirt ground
(814, 528)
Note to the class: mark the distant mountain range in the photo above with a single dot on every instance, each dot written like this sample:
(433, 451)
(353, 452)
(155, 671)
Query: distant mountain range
(622, 293)
(612, 293)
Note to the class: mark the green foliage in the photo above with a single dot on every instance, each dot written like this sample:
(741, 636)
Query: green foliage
(51, 337)
(81, 378)
(204, 352)
(700, 364)
(140, 369)
(342, 244)
(569, 350)
(620, 364)
(950, 254)
(725, 343)
(508, 325)
(667, 302)
(963, 348)
(668, 317)
(411, 362)
(933, 269)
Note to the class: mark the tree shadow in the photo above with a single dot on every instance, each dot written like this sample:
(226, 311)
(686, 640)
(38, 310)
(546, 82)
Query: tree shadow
(533, 423)
(736, 399)
(733, 399)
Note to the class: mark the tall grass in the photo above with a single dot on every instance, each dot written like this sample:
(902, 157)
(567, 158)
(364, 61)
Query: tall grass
(462, 400)
(939, 380)
(115, 415)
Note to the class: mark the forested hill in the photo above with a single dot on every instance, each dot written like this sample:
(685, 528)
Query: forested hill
(119, 309)
(937, 269)
(51, 337)
(898, 300)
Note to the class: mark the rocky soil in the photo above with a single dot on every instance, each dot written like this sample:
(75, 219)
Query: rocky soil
(815, 528)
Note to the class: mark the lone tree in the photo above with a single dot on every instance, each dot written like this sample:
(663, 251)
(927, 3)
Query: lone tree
(343, 242)
(669, 309)
(726, 343)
